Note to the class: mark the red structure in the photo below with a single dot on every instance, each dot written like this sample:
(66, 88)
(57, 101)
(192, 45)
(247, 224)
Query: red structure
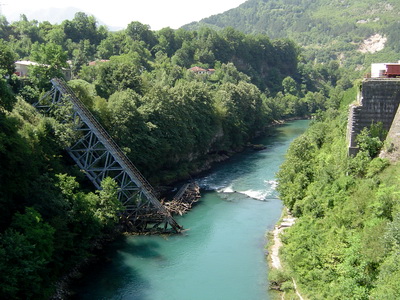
(392, 70)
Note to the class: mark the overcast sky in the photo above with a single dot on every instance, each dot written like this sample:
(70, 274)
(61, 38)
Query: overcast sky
(118, 13)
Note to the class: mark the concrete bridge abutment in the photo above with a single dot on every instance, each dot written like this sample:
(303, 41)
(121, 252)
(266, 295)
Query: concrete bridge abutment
(377, 101)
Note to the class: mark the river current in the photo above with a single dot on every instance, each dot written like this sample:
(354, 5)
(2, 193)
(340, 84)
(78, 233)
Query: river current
(222, 255)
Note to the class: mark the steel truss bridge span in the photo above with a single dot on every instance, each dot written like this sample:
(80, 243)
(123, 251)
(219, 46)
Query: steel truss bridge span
(97, 154)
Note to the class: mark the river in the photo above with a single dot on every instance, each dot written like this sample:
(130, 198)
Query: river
(221, 256)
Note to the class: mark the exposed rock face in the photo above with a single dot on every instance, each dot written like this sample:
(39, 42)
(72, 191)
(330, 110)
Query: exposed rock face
(373, 44)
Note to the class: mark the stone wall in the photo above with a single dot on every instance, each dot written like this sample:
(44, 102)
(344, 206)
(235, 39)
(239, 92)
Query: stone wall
(378, 101)
(392, 147)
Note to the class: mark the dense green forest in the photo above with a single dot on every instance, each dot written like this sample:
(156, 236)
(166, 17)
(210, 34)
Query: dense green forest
(169, 120)
(345, 243)
(327, 29)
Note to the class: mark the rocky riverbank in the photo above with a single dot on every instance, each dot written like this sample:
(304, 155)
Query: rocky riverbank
(280, 281)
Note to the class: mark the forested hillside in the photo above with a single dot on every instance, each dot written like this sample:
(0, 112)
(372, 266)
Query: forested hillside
(328, 30)
(171, 121)
(345, 243)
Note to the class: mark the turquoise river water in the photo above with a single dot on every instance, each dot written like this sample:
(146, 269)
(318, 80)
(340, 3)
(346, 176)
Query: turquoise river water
(222, 254)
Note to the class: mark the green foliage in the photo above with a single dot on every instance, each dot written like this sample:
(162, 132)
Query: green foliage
(82, 27)
(290, 86)
(7, 58)
(344, 244)
(7, 68)
(241, 110)
(106, 205)
(121, 72)
(169, 121)
(140, 32)
(296, 172)
(368, 143)
(47, 224)
(387, 286)
(26, 248)
(280, 280)
(7, 97)
(51, 59)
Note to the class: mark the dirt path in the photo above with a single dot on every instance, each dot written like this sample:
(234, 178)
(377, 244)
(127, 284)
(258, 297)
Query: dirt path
(287, 222)
(297, 291)
(275, 261)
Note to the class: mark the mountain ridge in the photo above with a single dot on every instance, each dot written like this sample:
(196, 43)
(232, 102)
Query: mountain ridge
(326, 29)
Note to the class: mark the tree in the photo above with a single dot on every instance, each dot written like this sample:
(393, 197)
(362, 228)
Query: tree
(296, 172)
(7, 59)
(28, 29)
(26, 249)
(122, 72)
(56, 35)
(229, 73)
(290, 86)
(126, 123)
(106, 206)
(7, 97)
(82, 27)
(113, 44)
(242, 110)
(40, 234)
(140, 32)
(82, 55)
(367, 143)
(52, 60)
(5, 28)
(167, 41)
(184, 57)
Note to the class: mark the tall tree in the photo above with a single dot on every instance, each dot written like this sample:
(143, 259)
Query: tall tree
(82, 27)
(140, 32)
(52, 59)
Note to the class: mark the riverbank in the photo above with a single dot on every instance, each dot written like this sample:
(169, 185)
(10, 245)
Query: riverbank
(202, 165)
(280, 280)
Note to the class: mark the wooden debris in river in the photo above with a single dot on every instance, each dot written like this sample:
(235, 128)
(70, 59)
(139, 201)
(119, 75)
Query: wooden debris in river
(184, 199)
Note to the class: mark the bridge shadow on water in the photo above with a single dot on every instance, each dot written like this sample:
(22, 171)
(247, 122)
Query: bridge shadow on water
(114, 275)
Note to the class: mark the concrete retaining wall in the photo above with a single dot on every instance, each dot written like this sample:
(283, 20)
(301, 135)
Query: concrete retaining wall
(378, 101)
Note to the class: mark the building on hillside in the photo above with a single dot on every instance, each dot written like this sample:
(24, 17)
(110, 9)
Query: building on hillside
(199, 70)
(22, 69)
(385, 70)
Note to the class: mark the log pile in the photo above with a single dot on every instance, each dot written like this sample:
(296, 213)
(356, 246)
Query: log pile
(183, 201)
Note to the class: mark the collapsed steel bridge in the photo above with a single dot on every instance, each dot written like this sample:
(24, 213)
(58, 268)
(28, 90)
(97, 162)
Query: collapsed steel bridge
(97, 154)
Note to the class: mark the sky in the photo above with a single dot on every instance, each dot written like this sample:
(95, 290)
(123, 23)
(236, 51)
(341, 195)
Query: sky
(119, 13)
